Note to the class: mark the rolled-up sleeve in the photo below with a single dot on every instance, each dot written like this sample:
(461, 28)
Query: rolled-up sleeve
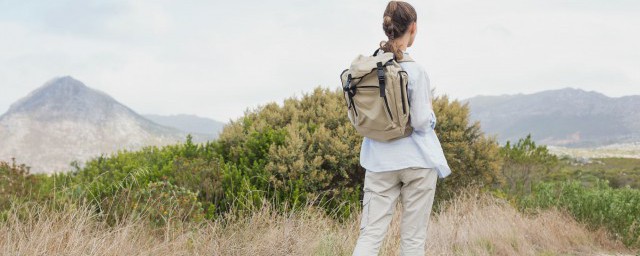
(422, 115)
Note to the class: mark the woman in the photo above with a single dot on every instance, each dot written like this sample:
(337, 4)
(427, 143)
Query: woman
(406, 168)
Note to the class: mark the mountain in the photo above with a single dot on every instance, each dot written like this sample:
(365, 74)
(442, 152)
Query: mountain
(566, 117)
(190, 124)
(65, 121)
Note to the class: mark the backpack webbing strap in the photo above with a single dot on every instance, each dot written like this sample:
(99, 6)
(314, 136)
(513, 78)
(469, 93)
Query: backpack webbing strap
(381, 81)
(351, 91)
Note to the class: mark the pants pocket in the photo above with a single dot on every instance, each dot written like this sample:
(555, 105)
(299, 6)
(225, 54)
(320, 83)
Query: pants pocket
(366, 202)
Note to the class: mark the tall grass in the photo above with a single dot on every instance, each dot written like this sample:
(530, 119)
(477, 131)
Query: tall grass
(471, 224)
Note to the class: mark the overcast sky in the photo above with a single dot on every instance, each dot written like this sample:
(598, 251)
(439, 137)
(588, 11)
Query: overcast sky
(217, 58)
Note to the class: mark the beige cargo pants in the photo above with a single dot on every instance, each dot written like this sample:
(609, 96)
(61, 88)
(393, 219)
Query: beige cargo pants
(416, 189)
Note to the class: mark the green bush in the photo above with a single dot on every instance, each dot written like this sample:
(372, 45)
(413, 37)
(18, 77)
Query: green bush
(163, 202)
(473, 157)
(524, 164)
(17, 184)
(599, 205)
(301, 152)
(107, 180)
(307, 149)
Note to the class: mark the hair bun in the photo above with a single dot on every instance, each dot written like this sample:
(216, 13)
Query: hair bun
(388, 27)
(387, 20)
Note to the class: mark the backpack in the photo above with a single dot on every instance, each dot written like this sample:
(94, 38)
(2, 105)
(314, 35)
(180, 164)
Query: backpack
(375, 91)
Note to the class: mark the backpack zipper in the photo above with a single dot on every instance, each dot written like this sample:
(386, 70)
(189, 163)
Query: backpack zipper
(386, 104)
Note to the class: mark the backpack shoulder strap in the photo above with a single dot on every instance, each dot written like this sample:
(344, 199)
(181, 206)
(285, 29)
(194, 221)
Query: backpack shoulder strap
(376, 52)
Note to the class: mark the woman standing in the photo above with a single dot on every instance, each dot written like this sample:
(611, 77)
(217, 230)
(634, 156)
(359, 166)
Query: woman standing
(406, 168)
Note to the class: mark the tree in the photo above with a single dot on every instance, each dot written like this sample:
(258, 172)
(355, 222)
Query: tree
(524, 162)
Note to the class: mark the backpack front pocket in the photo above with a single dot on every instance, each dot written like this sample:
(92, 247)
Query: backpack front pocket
(373, 111)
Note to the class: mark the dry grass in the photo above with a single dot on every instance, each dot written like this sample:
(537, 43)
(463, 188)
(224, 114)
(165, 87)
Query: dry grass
(469, 225)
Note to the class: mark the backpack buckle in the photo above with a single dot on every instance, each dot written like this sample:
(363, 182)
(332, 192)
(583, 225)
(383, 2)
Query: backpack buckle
(347, 86)
(351, 91)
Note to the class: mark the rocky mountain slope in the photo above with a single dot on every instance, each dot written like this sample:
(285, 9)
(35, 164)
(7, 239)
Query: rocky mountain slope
(565, 117)
(65, 121)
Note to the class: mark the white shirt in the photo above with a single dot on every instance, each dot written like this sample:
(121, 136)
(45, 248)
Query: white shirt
(422, 148)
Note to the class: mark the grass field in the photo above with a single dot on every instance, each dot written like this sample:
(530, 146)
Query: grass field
(625, 150)
(620, 172)
(471, 224)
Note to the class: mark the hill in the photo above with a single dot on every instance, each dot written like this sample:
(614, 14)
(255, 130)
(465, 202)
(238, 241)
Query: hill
(189, 123)
(566, 117)
(65, 121)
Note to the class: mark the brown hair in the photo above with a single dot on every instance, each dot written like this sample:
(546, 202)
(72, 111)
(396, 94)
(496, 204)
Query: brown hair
(397, 17)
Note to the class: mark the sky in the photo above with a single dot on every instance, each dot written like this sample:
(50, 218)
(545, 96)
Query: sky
(217, 59)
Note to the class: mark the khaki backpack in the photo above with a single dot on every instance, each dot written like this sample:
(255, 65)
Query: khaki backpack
(375, 89)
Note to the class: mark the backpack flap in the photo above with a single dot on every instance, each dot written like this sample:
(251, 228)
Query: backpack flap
(363, 65)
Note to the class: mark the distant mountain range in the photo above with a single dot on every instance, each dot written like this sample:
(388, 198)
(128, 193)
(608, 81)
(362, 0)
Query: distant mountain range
(64, 121)
(566, 117)
(189, 123)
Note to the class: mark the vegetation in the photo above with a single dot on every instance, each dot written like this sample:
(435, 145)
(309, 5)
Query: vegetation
(467, 225)
(525, 163)
(620, 172)
(302, 156)
(538, 180)
(599, 206)
(18, 185)
(303, 151)
(473, 157)
(307, 149)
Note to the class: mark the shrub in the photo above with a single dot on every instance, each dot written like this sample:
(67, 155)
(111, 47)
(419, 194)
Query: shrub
(600, 205)
(15, 182)
(298, 152)
(18, 184)
(525, 163)
(307, 148)
(473, 157)
(163, 202)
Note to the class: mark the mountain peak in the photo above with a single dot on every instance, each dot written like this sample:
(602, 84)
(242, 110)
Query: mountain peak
(65, 97)
(65, 120)
(65, 82)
